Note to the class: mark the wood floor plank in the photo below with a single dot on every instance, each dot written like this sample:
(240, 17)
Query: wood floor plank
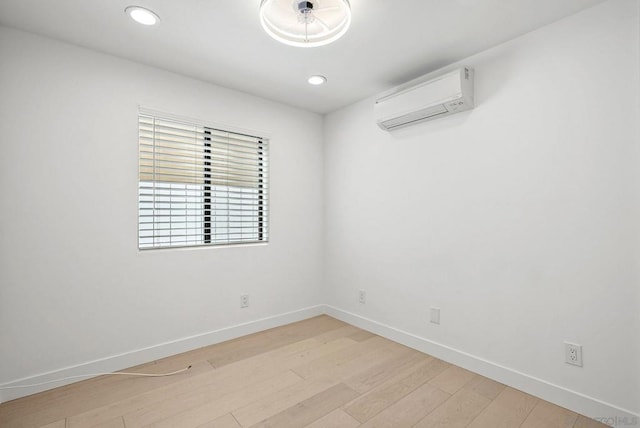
(457, 412)
(547, 415)
(272, 404)
(385, 369)
(367, 363)
(409, 410)
(361, 336)
(293, 360)
(381, 397)
(57, 424)
(275, 357)
(311, 409)
(337, 333)
(226, 421)
(336, 419)
(275, 338)
(485, 387)
(452, 379)
(344, 364)
(509, 409)
(117, 422)
(191, 410)
(320, 365)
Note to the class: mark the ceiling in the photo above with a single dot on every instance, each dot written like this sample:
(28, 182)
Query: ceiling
(222, 42)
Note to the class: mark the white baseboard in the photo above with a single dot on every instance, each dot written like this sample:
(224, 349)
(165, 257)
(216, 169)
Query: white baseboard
(140, 356)
(572, 400)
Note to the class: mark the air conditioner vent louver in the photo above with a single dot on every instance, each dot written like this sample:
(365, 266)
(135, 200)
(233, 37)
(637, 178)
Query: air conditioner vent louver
(425, 98)
(428, 113)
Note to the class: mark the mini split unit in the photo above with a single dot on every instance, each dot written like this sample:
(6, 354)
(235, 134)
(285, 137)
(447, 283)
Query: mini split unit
(425, 98)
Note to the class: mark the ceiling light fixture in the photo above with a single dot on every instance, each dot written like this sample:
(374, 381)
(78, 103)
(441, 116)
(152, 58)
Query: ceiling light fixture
(142, 16)
(316, 80)
(305, 23)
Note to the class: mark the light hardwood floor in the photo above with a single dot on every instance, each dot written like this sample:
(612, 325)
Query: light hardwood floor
(319, 373)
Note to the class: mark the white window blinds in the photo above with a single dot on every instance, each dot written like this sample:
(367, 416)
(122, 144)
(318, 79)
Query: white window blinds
(200, 186)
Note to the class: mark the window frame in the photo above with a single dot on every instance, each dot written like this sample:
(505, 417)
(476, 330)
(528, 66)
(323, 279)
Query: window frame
(263, 215)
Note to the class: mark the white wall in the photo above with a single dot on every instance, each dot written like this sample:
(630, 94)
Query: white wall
(74, 287)
(518, 219)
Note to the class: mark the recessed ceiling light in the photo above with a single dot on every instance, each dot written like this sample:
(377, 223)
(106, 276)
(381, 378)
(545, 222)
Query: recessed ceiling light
(142, 16)
(316, 80)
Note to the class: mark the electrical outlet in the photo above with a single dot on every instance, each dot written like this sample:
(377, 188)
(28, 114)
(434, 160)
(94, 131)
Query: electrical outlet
(435, 315)
(363, 297)
(244, 300)
(573, 354)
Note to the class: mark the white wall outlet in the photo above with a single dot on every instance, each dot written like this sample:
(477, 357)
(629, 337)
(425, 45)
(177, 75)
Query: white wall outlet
(435, 315)
(573, 354)
(362, 297)
(244, 300)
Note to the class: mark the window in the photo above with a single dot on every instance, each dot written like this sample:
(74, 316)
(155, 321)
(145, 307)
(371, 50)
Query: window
(200, 186)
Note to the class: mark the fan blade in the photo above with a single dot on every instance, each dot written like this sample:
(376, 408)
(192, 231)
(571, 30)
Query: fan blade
(327, 8)
(322, 23)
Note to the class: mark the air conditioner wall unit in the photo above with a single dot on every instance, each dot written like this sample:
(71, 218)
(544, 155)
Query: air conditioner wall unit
(425, 98)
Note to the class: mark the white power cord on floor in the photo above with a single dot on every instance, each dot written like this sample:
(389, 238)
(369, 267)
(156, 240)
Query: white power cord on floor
(99, 374)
